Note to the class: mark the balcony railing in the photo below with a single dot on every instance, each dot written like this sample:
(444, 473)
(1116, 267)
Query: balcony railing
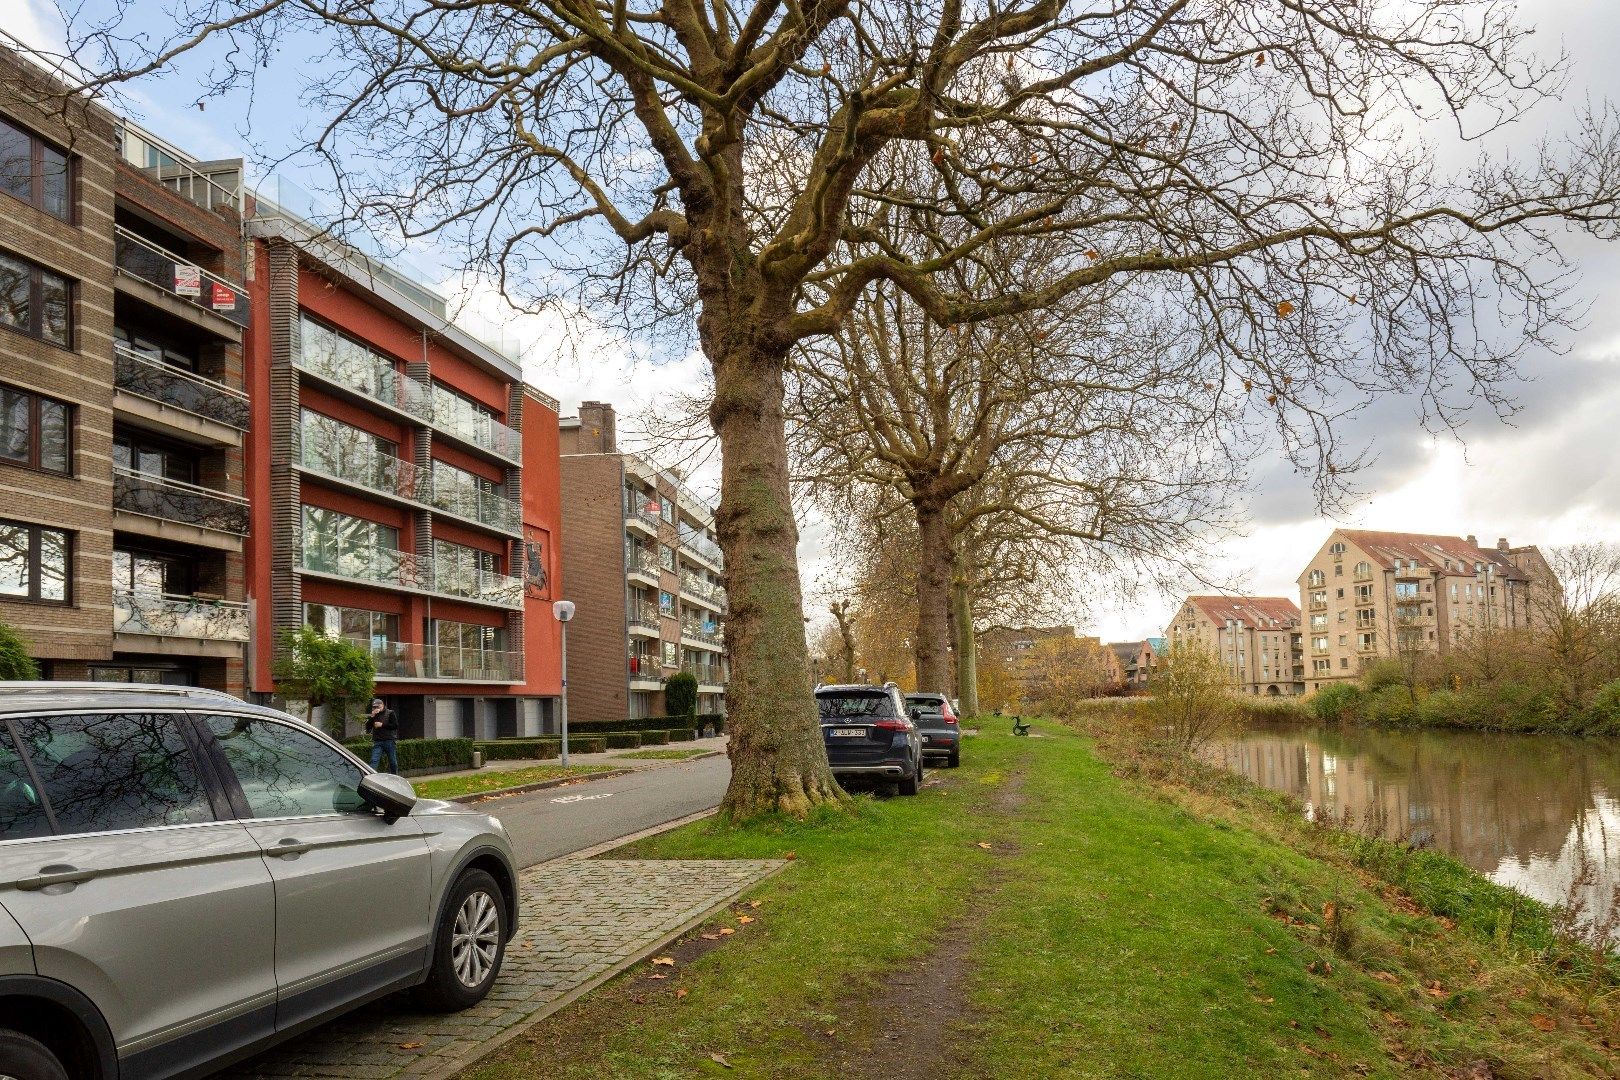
(644, 616)
(645, 564)
(170, 500)
(703, 590)
(360, 463)
(696, 632)
(704, 676)
(471, 501)
(703, 548)
(361, 561)
(179, 616)
(181, 389)
(473, 584)
(472, 425)
(409, 660)
(642, 516)
(646, 667)
(168, 271)
(369, 375)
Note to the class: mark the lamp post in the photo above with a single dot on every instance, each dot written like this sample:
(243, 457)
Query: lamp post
(563, 610)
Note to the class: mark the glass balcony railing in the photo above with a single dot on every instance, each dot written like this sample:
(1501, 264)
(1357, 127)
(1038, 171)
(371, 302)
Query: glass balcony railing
(704, 548)
(644, 616)
(646, 668)
(707, 591)
(361, 463)
(470, 424)
(709, 635)
(705, 675)
(161, 615)
(360, 560)
(645, 565)
(469, 500)
(365, 373)
(481, 585)
(636, 512)
(169, 272)
(409, 661)
(183, 390)
(170, 500)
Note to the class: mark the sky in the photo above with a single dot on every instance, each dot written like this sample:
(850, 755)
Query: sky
(1550, 475)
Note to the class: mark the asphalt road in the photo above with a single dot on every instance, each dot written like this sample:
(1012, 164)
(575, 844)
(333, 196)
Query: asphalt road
(553, 822)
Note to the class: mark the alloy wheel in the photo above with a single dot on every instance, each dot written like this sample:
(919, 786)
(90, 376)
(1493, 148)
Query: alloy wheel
(475, 939)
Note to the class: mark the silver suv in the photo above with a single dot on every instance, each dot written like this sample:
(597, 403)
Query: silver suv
(186, 879)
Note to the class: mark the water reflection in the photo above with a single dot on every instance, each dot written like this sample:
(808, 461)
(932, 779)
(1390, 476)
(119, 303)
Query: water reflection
(1524, 810)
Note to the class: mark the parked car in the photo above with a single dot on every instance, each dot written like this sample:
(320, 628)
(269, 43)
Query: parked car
(870, 735)
(941, 731)
(186, 879)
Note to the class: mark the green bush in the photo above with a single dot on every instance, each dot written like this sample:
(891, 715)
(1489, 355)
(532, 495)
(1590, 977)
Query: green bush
(682, 734)
(1391, 704)
(655, 738)
(641, 723)
(622, 740)
(1439, 708)
(1382, 674)
(1602, 717)
(520, 749)
(712, 720)
(1508, 706)
(1337, 703)
(423, 753)
(321, 670)
(588, 744)
(1274, 709)
(681, 694)
(15, 663)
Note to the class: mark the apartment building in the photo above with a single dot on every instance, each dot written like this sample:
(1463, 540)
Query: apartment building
(1257, 639)
(404, 490)
(646, 573)
(123, 308)
(1370, 595)
(1135, 661)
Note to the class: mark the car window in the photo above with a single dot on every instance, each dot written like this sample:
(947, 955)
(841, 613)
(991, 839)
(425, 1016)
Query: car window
(110, 771)
(22, 811)
(285, 772)
(875, 705)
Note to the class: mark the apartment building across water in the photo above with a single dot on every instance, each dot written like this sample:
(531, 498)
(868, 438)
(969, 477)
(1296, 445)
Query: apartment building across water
(1257, 639)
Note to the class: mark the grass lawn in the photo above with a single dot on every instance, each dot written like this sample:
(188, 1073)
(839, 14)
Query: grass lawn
(661, 755)
(1036, 915)
(451, 787)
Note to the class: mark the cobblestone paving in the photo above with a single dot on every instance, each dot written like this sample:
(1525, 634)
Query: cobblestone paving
(580, 920)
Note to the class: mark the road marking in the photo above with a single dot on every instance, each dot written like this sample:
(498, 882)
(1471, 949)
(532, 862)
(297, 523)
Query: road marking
(583, 798)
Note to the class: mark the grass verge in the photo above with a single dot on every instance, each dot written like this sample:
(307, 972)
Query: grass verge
(661, 755)
(479, 783)
(1123, 924)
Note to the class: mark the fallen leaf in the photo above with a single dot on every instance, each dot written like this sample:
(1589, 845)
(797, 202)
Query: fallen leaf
(720, 1059)
(663, 961)
(1543, 1023)
(1264, 1000)
(710, 937)
(830, 1033)
(1435, 990)
(659, 976)
(790, 856)
(755, 903)
(682, 992)
(1259, 59)
(1385, 976)
(745, 919)
(726, 930)
(1270, 951)
(410, 1046)
(984, 845)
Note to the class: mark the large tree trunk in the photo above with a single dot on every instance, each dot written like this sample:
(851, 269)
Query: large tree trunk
(967, 658)
(935, 561)
(778, 762)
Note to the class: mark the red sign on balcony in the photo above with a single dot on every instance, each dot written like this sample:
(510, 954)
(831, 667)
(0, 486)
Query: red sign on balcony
(223, 298)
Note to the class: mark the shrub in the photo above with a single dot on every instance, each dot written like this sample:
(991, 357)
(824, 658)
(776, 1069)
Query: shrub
(1602, 717)
(1382, 674)
(1337, 703)
(1508, 706)
(681, 694)
(15, 663)
(590, 744)
(1390, 704)
(682, 734)
(325, 671)
(640, 723)
(424, 753)
(712, 720)
(1274, 709)
(622, 740)
(520, 749)
(1440, 708)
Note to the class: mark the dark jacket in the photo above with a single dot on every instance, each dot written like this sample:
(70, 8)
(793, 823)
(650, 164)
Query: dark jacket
(390, 726)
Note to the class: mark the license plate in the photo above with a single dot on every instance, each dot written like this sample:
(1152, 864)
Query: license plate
(849, 733)
(928, 738)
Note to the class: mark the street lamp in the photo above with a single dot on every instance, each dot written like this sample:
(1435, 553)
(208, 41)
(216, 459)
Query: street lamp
(563, 610)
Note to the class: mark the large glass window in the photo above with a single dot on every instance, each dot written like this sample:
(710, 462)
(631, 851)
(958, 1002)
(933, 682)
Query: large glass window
(34, 301)
(34, 171)
(355, 624)
(22, 811)
(142, 455)
(108, 771)
(33, 562)
(338, 543)
(458, 567)
(151, 574)
(345, 360)
(34, 430)
(285, 772)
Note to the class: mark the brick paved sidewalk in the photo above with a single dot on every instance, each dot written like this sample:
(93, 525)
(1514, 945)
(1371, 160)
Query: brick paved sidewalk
(581, 922)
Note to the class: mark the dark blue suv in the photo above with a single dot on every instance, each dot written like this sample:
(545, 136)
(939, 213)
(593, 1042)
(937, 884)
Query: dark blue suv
(870, 736)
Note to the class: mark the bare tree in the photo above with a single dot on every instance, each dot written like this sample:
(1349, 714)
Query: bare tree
(846, 638)
(1193, 700)
(1577, 626)
(1250, 163)
(1064, 672)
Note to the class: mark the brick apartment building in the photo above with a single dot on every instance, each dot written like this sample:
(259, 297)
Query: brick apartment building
(123, 307)
(1136, 661)
(645, 571)
(1257, 638)
(404, 488)
(1370, 595)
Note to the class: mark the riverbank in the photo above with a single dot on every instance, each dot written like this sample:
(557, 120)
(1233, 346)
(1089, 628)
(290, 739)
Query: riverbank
(1056, 908)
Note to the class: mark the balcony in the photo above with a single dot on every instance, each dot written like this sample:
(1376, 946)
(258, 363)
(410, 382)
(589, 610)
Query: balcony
(644, 565)
(360, 561)
(408, 661)
(704, 549)
(637, 516)
(707, 677)
(141, 258)
(352, 461)
(470, 501)
(158, 615)
(471, 425)
(170, 386)
(644, 617)
(370, 377)
(704, 591)
(170, 500)
(696, 632)
(486, 587)
(646, 669)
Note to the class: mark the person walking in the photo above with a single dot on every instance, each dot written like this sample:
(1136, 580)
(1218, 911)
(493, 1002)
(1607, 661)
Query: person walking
(384, 728)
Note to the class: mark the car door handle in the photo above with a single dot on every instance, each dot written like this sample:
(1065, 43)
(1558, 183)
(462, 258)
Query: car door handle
(55, 874)
(289, 846)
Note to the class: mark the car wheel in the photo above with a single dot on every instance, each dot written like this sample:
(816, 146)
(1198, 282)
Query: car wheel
(955, 759)
(909, 785)
(23, 1058)
(468, 945)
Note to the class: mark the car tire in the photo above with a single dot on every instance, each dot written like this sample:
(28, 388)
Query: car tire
(908, 785)
(955, 759)
(466, 957)
(24, 1058)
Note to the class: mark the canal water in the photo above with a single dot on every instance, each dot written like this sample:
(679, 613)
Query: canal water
(1529, 811)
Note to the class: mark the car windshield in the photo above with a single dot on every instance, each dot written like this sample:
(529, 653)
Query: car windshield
(869, 705)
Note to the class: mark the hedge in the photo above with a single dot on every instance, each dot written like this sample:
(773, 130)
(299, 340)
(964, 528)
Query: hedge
(682, 734)
(655, 738)
(417, 754)
(715, 720)
(520, 749)
(622, 740)
(640, 723)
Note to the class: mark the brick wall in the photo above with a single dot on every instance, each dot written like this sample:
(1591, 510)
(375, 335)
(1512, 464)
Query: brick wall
(593, 564)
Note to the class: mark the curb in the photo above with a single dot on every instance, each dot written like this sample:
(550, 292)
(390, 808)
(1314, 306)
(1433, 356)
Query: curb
(618, 842)
(541, 785)
(485, 1049)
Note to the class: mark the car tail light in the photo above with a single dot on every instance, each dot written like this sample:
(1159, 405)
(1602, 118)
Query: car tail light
(890, 725)
(949, 719)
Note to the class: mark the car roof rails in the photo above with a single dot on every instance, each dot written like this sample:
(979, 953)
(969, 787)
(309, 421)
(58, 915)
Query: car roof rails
(127, 688)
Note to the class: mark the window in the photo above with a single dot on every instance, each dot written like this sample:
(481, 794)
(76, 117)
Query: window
(355, 624)
(668, 511)
(666, 556)
(669, 654)
(666, 603)
(22, 812)
(1365, 642)
(1405, 590)
(349, 452)
(285, 772)
(33, 562)
(34, 431)
(1338, 570)
(107, 771)
(1316, 578)
(1319, 597)
(1344, 663)
(35, 301)
(342, 359)
(154, 458)
(1363, 594)
(1337, 549)
(151, 575)
(1319, 622)
(34, 171)
(462, 492)
(460, 565)
(1363, 568)
(851, 706)
(144, 674)
(1319, 643)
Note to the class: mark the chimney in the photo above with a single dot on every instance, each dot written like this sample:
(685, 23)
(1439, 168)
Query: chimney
(1501, 543)
(1473, 541)
(597, 433)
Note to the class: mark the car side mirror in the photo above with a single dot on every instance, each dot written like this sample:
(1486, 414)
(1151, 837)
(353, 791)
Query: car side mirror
(914, 713)
(391, 794)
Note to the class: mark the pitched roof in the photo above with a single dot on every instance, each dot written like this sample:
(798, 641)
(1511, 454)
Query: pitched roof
(1430, 552)
(1127, 651)
(1256, 611)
